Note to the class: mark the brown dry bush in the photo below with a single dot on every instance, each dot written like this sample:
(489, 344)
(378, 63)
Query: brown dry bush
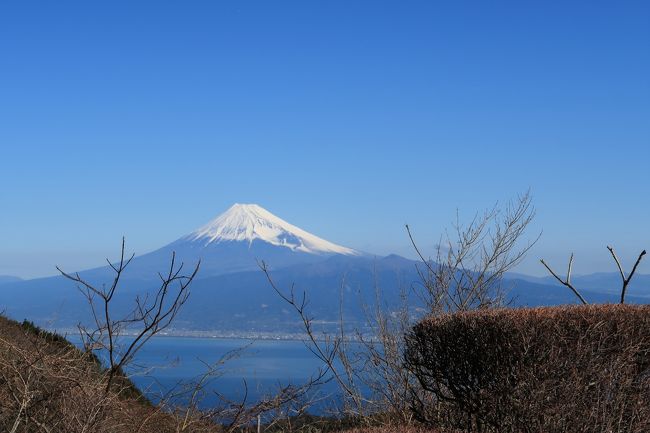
(402, 429)
(47, 385)
(466, 273)
(562, 369)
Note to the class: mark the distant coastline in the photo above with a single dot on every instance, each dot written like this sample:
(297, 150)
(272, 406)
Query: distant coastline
(210, 334)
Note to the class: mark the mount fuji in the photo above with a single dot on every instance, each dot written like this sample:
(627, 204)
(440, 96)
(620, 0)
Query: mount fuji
(229, 247)
(250, 222)
(231, 294)
(238, 239)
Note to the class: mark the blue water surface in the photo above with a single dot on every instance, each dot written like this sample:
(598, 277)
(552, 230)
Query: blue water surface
(165, 364)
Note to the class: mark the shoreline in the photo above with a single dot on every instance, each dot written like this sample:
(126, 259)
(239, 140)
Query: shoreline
(208, 335)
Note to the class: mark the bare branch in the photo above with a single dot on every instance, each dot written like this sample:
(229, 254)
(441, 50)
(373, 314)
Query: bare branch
(326, 350)
(626, 280)
(566, 282)
(150, 315)
(472, 260)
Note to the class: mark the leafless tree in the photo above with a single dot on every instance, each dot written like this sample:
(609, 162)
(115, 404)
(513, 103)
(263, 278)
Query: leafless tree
(625, 279)
(149, 316)
(567, 281)
(377, 359)
(153, 313)
(466, 274)
(325, 347)
(471, 260)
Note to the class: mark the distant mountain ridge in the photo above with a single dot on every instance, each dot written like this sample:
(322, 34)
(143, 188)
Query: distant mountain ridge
(243, 235)
(233, 242)
(600, 282)
(231, 293)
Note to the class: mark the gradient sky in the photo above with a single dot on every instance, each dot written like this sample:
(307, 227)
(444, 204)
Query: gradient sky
(348, 119)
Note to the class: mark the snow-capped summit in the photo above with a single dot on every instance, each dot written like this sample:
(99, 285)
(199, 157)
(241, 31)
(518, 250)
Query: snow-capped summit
(250, 222)
(237, 241)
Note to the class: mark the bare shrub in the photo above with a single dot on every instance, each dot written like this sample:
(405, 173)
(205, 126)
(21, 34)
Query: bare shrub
(466, 274)
(467, 270)
(47, 385)
(149, 316)
(624, 278)
(578, 369)
(184, 406)
(402, 429)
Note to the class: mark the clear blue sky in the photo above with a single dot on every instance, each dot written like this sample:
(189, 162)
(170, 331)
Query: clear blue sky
(349, 119)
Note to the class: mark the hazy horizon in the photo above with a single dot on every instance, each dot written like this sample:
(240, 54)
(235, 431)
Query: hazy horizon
(88, 260)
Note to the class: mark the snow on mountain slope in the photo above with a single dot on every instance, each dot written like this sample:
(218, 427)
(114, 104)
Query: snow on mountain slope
(236, 241)
(249, 222)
